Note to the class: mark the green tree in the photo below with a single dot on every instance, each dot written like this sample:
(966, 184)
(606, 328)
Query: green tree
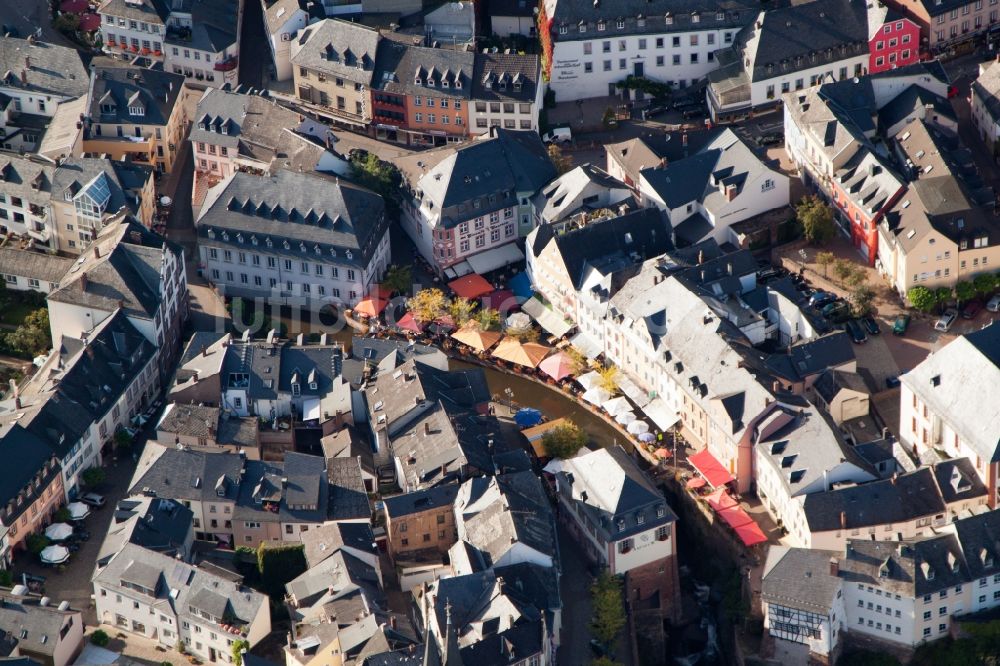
(123, 440)
(488, 318)
(856, 278)
(461, 310)
(36, 543)
(380, 177)
(825, 260)
(6, 578)
(278, 564)
(398, 279)
(67, 22)
(843, 269)
(922, 298)
(861, 299)
(100, 638)
(237, 649)
(985, 284)
(816, 219)
(559, 160)
(32, 337)
(608, 608)
(609, 379)
(942, 295)
(428, 304)
(564, 440)
(609, 118)
(62, 515)
(93, 476)
(965, 291)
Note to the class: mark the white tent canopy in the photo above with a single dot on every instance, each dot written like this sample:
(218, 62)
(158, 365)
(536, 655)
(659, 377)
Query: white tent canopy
(638, 427)
(625, 418)
(596, 396)
(58, 531)
(589, 380)
(615, 406)
(55, 555)
(78, 510)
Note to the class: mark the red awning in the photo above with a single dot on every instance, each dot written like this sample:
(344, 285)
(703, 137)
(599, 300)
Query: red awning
(720, 500)
(471, 286)
(409, 323)
(710, 468)
(750, 534)
(504, 301)
(735, 517)
(695, 482)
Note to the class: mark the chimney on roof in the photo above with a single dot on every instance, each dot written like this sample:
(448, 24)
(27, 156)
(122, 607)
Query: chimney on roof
(83, 282)
(284, 482)
(204, 350)
(843, 520)
(701, 257)
(97, 251)
(392, 621)
(730, 192)
(893, 479)
(194, 378)
(684, 139)
(444, 470)
(27, 62)
(17, 402)
(24, 77)
(663, 163)
(834, 566)
(211, 430)
(300, 338)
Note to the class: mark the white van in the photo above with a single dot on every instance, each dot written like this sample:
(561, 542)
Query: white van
(557, 135)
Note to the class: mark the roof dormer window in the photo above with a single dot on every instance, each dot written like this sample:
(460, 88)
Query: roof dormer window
(444, 84)
(620, 24)
(136, 111)
(458, 84)
(417, 81)
(563, 29)
(601, 26)
(431, 83)
(583, 26)
(107, 108)
(695, 17)
(669, 19)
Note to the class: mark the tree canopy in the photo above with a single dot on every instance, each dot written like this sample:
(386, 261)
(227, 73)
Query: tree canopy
(564, 440)
(816, 219)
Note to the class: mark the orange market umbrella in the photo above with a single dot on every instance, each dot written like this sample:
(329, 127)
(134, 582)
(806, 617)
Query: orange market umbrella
(529, 354)
(558, 366)
(370, 306)
(471, 286)
(473, 336)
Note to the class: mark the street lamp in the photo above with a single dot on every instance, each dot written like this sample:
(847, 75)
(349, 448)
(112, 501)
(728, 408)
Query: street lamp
(510, 399)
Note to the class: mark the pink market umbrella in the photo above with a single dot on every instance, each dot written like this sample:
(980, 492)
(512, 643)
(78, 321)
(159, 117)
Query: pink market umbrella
(409, 323)
(558, 366)
(90, 22)
(74, 6)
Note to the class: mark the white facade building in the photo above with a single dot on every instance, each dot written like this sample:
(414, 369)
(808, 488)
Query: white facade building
(282, 19)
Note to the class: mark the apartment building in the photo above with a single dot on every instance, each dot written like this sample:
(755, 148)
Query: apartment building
(129, 268)
(136, 114)
(622, 523)
(159, 524)
(423, 520)
(985, 105)
(301, 237)
(33, 487)
(579, 195)
(706, 194)
(862, 191)
(893, 38)
(155, 596)
(332, 66)
(788, 49)
(282, 20)
(38, 77)
(945, 24)
(131, 28)
(25, 195)
(47, 633)
(508, 91)
(89, 387)
(594, 47)
(942, 400)
(465, 218)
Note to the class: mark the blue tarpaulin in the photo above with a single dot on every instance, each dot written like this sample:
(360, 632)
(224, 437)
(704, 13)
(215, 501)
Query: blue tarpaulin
(520, 284)
(527, 417)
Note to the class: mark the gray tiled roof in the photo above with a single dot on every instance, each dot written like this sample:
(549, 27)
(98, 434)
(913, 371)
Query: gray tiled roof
(339, 48)
(256, 126)
(27, 179)
(420, 500)
(150, 11)
(305, 209)
(322, 541)
(36, 265)
(54, 70)
(348, 498)
(298, 483)
(213, 24)
(158, 524)
(125, 180)
(123, 88)
(800, 578)
(503, 71)
(734, 13)
(185, 474)
(400, 65)
(36, 628)
(913, 568)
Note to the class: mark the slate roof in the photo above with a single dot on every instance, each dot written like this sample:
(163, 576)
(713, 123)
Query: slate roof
(911, 568)
(26, 454)
(321, 541)
(150, 11)
(36, 627)
(27, 179)
(126, 275)
(37, 265)
(503, 71)
(980, 540)
(157, 524)
(338, 576)
(729, 14)
(53, 70)
(400, 65)
(898, 500)
(338, 48)
(609, 244)
(640, 153)
(461, 188)
(348, 498)
(122, 88)
(612, 491)
(986, 89)
(522, 8)
(124, 180)
(420, 500)
(298, 484)
(517, 643)
(956, 383)
(302, 209)
(187, 474)
(277, 13)
(800, 578)
(213, 24)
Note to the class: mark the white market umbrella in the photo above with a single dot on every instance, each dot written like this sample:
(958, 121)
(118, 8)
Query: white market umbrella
(625, 418)
(518, 320)
(638, 427)
(77, 510)
(596, 396)
(58, 531)
(55, 555)
(617, 406)
(589, 381)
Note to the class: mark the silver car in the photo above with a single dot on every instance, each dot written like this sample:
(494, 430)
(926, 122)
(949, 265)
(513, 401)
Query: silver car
(947, 319)
(994, 304)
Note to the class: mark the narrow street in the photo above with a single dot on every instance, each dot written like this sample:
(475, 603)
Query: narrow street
(255, 62)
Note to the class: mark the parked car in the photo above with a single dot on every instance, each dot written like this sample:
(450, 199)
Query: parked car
(771, 139)
(994, 304)
(870, 325)
(698, 112)
(822, 298)
(946, 321)
(837, 312)
(92, 499)
(901, 324)
(891, 382)
(558, 135)
(972, 308)
(856, 332)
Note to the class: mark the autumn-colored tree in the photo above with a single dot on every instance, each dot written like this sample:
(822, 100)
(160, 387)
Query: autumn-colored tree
(428, 304)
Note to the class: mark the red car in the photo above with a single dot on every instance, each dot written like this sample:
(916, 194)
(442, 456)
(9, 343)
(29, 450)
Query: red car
(972, 309)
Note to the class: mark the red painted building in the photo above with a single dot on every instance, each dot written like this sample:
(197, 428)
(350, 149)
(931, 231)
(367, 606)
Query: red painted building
(862, 191)
(893, 39)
